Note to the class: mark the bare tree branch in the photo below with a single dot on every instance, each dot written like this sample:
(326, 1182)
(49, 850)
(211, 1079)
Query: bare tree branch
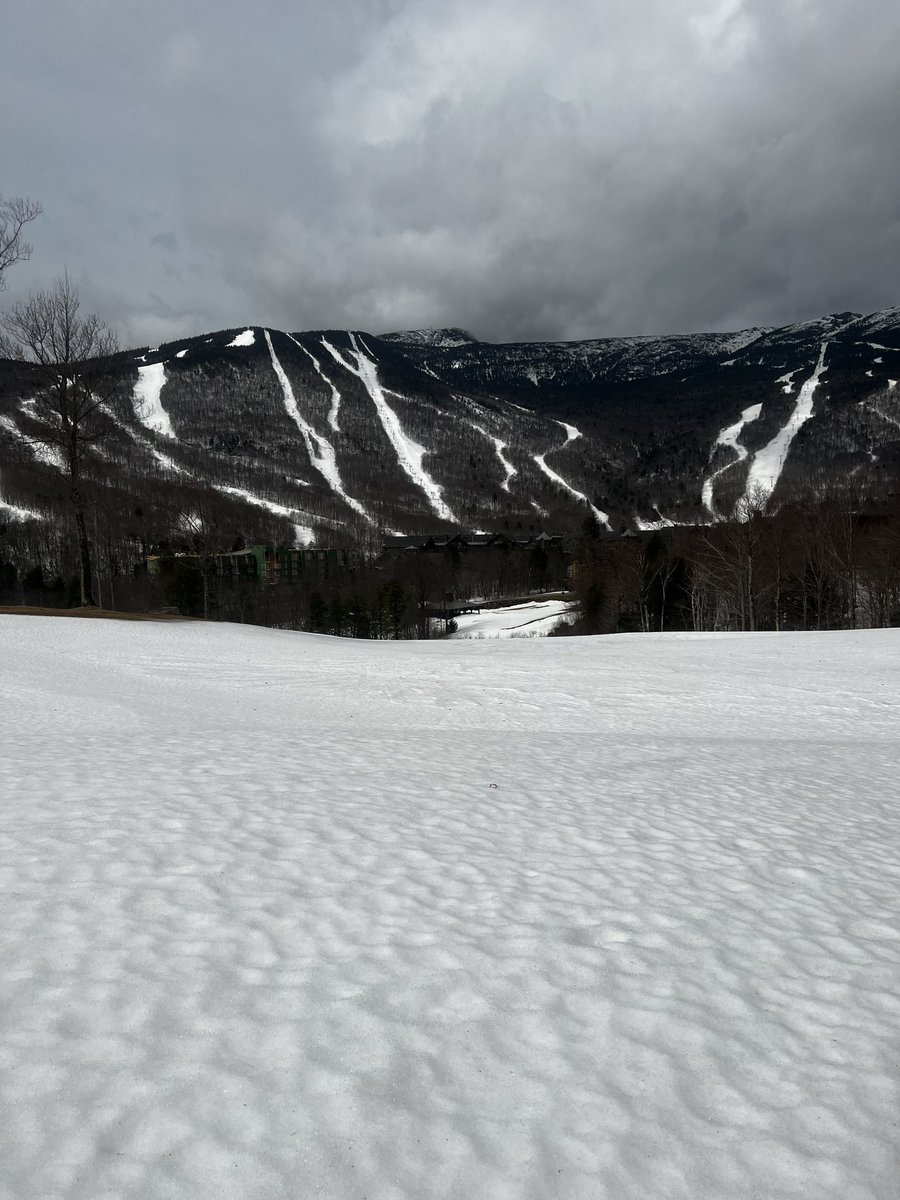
(15, 214)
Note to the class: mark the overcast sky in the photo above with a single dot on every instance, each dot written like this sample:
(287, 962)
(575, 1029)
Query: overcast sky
(522, 168)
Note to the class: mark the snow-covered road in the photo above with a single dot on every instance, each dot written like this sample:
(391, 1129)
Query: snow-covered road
(288, 916)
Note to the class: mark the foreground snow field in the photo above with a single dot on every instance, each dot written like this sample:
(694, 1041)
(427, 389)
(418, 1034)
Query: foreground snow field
(285, 916)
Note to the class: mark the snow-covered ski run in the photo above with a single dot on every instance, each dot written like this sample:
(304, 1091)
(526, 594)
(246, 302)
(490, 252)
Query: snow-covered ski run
(768, 463)
(335, 408)
(729, 437)
(571, 434)
(409, 453)
(499, 446)
(304, 534)
(148, 407)
(320, 450)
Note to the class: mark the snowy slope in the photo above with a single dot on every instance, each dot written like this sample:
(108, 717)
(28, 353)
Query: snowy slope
(534, 618)
(148, 407)
(433, 428)
(729, 438)
(568, 919)
(768, 462)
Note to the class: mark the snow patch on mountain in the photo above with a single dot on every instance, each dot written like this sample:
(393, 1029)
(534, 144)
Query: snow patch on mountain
(734, 343)
(409, 453)
(320, 450)
(572, 434)
(148, 407)
(247, 338)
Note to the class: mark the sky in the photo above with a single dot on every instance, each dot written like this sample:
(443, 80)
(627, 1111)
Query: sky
(522, 169)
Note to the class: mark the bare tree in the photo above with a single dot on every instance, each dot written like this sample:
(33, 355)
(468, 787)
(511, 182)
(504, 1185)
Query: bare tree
(69, 359)
(15, 214)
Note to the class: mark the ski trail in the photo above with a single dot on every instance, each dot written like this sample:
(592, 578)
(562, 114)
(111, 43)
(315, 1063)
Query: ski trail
(14, 511)
(147, 405)
(768, 463)
(320, 450)
(303, 533)
(335, 394)
(409, 453)
(571, 434)
(786, 380)
(49, 455)
(499, 447)
(145, 443)
(729, 437)
(884, 416)
(652, 526)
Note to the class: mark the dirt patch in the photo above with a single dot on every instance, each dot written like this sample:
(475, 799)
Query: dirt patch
(27, 610)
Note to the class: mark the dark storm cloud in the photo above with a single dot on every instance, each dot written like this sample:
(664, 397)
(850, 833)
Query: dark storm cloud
(522, 169)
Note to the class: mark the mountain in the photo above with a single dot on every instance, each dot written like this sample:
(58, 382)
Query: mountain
(337, 432)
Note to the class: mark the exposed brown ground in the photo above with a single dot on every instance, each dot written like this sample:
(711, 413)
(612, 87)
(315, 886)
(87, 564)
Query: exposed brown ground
(107, 614)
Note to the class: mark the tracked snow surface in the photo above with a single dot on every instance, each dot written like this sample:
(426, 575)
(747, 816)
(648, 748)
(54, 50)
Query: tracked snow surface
(562, 919)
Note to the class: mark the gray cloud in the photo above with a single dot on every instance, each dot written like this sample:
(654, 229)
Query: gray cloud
(522, 169)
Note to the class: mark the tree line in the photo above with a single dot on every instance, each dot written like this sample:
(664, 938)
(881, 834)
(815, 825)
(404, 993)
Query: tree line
(814, 562)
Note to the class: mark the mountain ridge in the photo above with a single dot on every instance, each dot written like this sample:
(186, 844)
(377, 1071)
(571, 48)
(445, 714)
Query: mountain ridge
(324, 433)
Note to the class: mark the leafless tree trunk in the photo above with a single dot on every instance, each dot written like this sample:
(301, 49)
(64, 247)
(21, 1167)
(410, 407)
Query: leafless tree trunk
(67, 353)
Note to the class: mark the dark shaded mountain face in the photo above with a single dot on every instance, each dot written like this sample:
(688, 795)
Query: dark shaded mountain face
(341, 432)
